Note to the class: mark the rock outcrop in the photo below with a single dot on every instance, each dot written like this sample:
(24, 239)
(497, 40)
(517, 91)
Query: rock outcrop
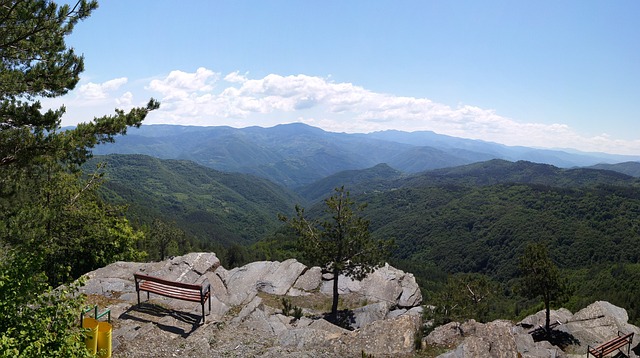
(571, 335)
(247, 320)
(246, 314)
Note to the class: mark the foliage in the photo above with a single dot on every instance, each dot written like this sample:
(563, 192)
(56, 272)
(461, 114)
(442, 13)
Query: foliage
(214, 209)
(45, 202)
(236, 256)
(163, 236)
(36, 321)
(341, 245)
(61, 214)
(365, 179)
(465, 296)
(288, 309)
(541, 278)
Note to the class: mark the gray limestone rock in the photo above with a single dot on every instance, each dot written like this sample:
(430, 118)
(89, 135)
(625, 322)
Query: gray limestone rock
(599, 322)
(411, 295)
(370, 313)
(385, 338)
(242, 282)
(345, 285)
(280, 280)
(309, 280)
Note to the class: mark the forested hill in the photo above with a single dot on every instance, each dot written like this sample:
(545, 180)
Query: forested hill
(295, 155)
(629, 168)
(501, 171)
(479, 218)
(379, 177)
(496, 171)
(208, 205)
(473, 218)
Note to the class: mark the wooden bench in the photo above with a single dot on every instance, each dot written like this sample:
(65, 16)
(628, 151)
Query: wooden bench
(611, 345)
(178, 290)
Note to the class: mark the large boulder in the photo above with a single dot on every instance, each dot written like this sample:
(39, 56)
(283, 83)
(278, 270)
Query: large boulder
(494, 339)
(282, 278)
(370, 313)
(385, 338)
(309, 281)
(188, 268)
(572, 333)
(598, 323)
(242, 282)
(385, 284)
(537, 320)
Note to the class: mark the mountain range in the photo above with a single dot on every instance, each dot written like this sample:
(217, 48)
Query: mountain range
(295, 155)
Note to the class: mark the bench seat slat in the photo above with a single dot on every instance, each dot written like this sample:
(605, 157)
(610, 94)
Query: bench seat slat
(611, 346)
(171, 291)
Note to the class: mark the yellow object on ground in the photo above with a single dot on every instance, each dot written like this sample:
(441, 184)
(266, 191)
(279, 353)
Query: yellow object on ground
(91, 340)
(104, 339)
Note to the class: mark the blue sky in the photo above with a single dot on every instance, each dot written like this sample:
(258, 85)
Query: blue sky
(556, 74)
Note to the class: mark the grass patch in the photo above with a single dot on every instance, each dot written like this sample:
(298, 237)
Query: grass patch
(316, 302)
(102, 301)
(431, 352)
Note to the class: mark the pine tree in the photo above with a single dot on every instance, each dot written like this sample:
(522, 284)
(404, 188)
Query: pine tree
(342, 245)
(541, 278)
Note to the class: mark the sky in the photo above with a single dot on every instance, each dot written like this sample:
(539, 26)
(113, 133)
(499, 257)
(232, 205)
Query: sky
(545, 73)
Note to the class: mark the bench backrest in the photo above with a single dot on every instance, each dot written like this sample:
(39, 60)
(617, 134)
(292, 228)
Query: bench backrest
(190, 286)
(611, 345)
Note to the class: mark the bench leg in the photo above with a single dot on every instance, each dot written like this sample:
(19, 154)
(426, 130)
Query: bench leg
(138, 297)
(202, 312)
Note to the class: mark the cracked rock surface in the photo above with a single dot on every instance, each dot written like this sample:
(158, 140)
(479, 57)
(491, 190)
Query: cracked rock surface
(246, 317)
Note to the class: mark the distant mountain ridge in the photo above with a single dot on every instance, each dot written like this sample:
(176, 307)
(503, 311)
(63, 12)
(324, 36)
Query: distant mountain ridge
(295, 155)
(629, 168)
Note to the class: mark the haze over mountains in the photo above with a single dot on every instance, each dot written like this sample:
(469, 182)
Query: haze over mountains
(295, 155)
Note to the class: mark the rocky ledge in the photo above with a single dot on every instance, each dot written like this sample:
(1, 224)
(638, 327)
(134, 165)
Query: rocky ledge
(571, 335)
(246, 318)
(246, 311)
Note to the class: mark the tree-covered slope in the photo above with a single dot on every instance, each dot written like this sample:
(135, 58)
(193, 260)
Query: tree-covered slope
(482, 229)
(498, 171)
(628, 168)
(291, 155)
(375, 178)
(209, 205)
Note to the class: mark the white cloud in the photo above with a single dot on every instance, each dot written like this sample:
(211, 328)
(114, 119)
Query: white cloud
(97, 91)
(180, 85)
(201, 98)
(236, 77)
(125, 100)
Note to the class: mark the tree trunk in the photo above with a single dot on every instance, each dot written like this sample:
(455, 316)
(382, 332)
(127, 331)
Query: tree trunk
(334, 305)
(547, 304)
